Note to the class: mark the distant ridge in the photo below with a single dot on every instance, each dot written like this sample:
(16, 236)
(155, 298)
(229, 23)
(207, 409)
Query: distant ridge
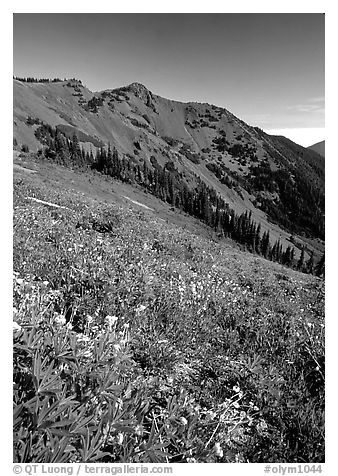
(319, 147)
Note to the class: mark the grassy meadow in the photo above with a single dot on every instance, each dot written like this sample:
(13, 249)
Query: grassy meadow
(138, 341)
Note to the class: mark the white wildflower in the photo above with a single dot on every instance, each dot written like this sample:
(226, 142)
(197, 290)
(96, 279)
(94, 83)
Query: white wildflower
(111, 320)
(141, 308)
(236, 388)
(60, 320)
(89, 319)
(183, 420)
(263, 424)
(218, 450)
(16, 326)
(83, 338)
(139, 430)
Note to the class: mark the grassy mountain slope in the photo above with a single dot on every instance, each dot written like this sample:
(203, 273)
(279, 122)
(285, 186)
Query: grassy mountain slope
(319, 147)
(136, 340)
(197, 140)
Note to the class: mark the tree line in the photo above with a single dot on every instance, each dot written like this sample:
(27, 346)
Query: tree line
(167, 184)
(30, 79)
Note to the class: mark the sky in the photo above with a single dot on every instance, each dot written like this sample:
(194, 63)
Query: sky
(267, 69)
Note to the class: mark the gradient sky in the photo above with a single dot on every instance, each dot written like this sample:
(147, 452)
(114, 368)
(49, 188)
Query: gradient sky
(268, 69)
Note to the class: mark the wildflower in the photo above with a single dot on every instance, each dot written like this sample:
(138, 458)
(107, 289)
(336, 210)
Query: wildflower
(16, 327)
(46, 283)
(236, 404)
(89, 319)
(126, 325)
(19, 281)
(236, 389)
(69, 326)
(184, 421)
(139, 430)
(218, 450)
(141, 308)
(263, 424)
(60, 320)
(83, 338)
(111, 320)
(120, 438)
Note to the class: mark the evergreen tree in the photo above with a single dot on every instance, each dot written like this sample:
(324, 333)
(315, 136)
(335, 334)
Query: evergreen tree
(258, 239)
(320, 267)
(75, 150)
(265, 246)
(286, 257)
(310, 263)
(300, 264)
(91, 157)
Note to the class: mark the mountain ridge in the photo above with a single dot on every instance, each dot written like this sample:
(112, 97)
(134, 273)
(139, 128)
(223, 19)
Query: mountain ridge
(248, 168)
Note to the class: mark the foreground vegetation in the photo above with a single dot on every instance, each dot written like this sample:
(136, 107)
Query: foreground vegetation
(135, 341)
